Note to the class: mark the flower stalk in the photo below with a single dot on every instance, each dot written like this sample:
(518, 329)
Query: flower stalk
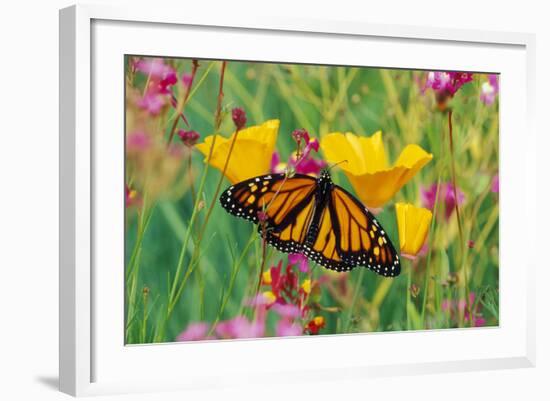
(179, 109)
(264, 251)
(429, 256)
(457, 211)
(175, 290)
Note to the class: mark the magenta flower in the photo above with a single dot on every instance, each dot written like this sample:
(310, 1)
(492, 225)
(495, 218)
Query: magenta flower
(300, 260)
(194, 332)
(446, 195)
(165, 83)
(284, 282)
(495, 185)
(240, 327)
(312, 144)
(447, 82)
(305, 165)
(300, 135)
(310, 166)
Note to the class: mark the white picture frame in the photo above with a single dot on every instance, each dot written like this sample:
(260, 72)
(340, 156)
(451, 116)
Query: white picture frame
(92, 361)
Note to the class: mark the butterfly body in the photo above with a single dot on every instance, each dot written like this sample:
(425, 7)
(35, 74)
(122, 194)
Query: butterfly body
(324, 186)
(314, 217)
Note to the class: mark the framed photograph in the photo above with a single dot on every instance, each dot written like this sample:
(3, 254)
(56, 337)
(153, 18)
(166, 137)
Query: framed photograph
(339, 199)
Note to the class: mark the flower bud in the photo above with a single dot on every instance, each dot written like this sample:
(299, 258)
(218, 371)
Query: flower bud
(262, 216)
(189, 138)
(414, 289)
(239, 117)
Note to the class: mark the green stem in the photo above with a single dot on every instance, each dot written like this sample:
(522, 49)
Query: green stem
(180, 107)
(174, 288)
(262, 262)
(354, 299)
(457, 210)
(145, 294)
(408, 295)
(132, 269)
(429, 257)
(232, 280)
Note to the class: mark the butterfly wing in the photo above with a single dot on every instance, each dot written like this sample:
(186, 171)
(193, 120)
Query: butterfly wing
(340, 236)
(361, 240)
(322, 246)
(288, 204)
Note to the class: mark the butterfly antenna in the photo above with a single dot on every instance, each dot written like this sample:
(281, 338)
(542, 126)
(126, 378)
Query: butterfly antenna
(336, 164)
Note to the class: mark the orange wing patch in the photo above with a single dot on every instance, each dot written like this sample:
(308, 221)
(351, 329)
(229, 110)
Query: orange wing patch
(274, 194)
(362, 242)
(324, 249)
(290, 238)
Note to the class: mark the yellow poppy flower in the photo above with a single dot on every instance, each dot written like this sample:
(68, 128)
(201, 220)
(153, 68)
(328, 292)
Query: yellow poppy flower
(374, 181)
(413, 224)
(251, 154)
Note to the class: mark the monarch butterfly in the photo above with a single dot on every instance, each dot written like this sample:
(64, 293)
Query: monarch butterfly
(314, 217)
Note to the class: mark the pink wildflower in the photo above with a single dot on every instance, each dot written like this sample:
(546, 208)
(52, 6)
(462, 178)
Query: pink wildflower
(495, 185)
(446, 195)
(489, 89)
(455, 307)
(286, 328)
(305, 165)
(152, 102)
(447, 82)
(161, 78)
(300, 135)
(286, 310)
(194, 332)
(137, 141)
(153, 67)
(240, 327)
(445, 85)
